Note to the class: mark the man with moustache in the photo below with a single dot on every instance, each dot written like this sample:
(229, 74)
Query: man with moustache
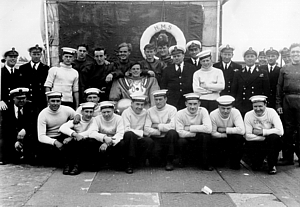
(263, 131)
(227, 66)
(227, 133)
(249, 81)
(53, 146)
(194, 47)
(33, 76)
(288, 103)
(160, 126)
(194, 127)
(178, 78)
(135, 137)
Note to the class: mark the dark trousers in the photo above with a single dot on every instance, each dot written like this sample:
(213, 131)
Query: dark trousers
(137, 148)
(291, 115)
(164, 147)
(230, 147)
(68, 154)
(202, 143)
(258, 150)
(210, 105)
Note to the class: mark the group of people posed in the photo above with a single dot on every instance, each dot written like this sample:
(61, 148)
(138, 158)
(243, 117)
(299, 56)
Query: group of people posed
(165, 110)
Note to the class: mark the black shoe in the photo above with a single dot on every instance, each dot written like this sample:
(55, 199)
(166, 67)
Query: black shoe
(169, 166)
(129, 170)
(66, 170)
(208, 167)
(272, 171)
(285, 162)
(75, 170)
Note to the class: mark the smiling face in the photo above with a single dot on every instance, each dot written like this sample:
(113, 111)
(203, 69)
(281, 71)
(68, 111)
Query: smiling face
(124, 53)
(87, 114)
(135, 70)
(11, 60)
(178, 58)
(262, 60)
(259, 108)
(54, 103)
(192, 106)
(93, 98)
(226, 56)
(250, 59)
(206, 62)
(107, 113)
(163, 50)
(137, 106)
(295, 54)
(193, 51)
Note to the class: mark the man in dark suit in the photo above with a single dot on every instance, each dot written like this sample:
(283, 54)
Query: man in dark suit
(227, 66)
(273, 73)
(194, 48)
(33, 76)
(18, 124)
(248, 82)
(9, 77)
(178, 78)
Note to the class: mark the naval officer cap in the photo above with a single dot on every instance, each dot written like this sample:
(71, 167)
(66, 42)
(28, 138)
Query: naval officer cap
(36, 48)
(68, 50)
(92, 91)
(285, 52)
(250, 51)
(11, 52)
(175, 49)
(271, 51)
(53, 94)
(161, 92)
(107, 105)
(19, 92)
(262, 53)
(258, 98)
(204, 54)
(193, 44)
(192, 96)
(88, 105)
(226, 48)
(138, 98)
(225, 100)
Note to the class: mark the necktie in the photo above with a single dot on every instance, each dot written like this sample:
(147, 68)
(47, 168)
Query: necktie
(226, 67)
(249, 70)
(12, 71)
(179, 69)
(34, 66)
(271, 68)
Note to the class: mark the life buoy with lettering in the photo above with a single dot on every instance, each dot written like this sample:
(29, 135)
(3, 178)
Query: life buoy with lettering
(162, 26)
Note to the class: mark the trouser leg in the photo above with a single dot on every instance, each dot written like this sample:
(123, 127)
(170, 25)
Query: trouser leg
(235, 148)
(273, 146)
(171, 138)
(256, 153)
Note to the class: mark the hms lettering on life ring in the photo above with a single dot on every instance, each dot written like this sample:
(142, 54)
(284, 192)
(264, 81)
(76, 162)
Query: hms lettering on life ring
(162, 27)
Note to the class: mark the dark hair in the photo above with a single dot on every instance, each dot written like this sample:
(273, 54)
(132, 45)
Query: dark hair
(136, 63)
(150, 47)
(124, 44)
(99, 49)
(83, 45)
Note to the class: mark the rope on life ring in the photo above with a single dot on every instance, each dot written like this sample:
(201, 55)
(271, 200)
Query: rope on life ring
(157, 27)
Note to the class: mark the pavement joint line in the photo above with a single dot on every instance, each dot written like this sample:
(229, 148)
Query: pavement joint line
(220, 174)
(90, 182)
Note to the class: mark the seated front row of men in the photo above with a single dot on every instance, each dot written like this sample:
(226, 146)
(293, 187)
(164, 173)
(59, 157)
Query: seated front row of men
(97, 135)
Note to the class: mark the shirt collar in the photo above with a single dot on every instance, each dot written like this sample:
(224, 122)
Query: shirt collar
(224, 64)
(9, 68)
(181, 66)
(36, 66)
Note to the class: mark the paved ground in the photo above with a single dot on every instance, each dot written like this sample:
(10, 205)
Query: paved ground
(24, 185)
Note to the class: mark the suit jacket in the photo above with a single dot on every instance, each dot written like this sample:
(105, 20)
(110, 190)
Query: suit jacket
(246, 85)
(8, 82)
(228, 75)
(178, 83)
(273, 79)
(189, 60)
(34, 79)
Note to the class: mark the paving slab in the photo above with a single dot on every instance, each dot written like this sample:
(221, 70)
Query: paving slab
(158, 180)
(195, 200)
(252, 200)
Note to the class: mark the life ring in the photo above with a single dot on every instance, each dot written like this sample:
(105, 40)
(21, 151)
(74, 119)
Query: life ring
(157, 27)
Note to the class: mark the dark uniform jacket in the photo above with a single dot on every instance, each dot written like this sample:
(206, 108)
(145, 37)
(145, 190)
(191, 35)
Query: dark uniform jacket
(246, 84)
(228, 75)
(178, 84)
(273, 79)
(11, 127)
(156, 66)
(120, 68)
(34, 79)
(190, 61)
(8, 82)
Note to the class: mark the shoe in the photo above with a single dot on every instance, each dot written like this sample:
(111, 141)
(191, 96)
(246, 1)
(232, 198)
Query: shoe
(129, 170)
(66, 170)
(169, 166)
(75, 170)
(208, 167)
(272, 171)
(285, 162)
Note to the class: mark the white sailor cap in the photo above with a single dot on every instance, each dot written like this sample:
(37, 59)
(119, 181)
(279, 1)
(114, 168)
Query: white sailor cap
(176, 49)
(52, 94)
(204, 54)
(139, 98)
(157, 93)
(193, 43)
(250, 51)
(225, 100)
(88, 105)
(92, 91)
(106, 104)
(192, 96)
(19, 91)
(68, 50)
(258, 98)
(226, 47)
